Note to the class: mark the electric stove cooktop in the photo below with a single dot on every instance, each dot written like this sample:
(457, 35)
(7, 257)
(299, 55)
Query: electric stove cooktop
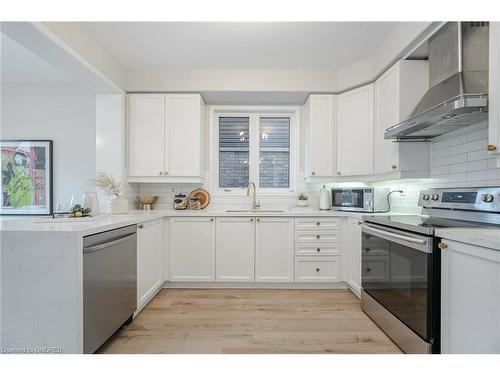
(421, 223)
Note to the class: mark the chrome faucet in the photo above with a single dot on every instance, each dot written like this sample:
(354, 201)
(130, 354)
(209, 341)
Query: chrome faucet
(255, 204)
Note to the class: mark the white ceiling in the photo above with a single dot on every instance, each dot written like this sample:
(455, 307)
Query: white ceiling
(240, 45)
(19, 65)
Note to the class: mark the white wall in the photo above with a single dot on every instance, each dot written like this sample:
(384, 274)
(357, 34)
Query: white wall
(64, 113)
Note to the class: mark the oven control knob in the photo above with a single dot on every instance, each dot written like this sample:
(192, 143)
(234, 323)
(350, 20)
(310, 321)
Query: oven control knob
(435, 197)
(425, 197)
(488, 198)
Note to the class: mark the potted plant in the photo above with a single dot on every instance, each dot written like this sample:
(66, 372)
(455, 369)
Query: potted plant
(302, 199)
(118, 205)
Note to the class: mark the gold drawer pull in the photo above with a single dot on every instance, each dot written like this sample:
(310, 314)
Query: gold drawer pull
(318, 223)
(251, 220)
(318, 249)
(442, 245)
(141, 226)
(491, 148)
(161, 173)
(212, 219)
(317, 269)
(318, 236)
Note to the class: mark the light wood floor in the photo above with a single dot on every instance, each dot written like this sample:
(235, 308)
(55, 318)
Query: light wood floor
(251, 321)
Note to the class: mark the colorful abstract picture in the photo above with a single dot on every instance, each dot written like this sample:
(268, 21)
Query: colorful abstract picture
(26, 177)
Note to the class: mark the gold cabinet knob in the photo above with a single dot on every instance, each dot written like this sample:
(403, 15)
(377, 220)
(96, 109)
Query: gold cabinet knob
(318, 223)
(140, 226)
(212, 219)
(166, 173)
(258, 220)
(339, 173)
(318, 249)
(491, 148)
(251, 220)
(394, 167)
(360, 222)
(160, 173)
(318, 236)
(313, 173)
(317, 269)
(442, 245)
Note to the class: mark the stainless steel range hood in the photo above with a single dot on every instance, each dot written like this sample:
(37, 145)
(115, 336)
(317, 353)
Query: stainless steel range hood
(458, 81)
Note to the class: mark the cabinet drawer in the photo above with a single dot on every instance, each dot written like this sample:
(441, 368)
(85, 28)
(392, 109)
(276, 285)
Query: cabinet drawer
(319, 250)
(317, 237)
(375, 268)
(319, 223)
(325, 269)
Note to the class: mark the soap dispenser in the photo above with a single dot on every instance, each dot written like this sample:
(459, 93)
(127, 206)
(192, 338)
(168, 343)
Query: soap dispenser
(324, 199)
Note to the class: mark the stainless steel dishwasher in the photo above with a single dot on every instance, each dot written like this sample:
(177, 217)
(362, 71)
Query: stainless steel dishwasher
(109, 284)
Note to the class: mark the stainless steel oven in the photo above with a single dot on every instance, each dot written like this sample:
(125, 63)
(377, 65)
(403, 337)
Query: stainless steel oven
(362, 199)
(400, 286)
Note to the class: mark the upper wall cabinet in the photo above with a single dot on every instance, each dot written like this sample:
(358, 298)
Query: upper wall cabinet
(166, 137)
(355, 132)
(397, 92)
(319, 131)
(494, 94)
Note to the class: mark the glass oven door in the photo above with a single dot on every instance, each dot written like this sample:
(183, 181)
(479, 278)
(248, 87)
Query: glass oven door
(397, 271)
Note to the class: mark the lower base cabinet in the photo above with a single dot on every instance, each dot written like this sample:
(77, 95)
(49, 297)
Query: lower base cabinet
(149, 260)
(470, 299)
(192, 249)
(235, 249)
(352, 253)
(274, 249)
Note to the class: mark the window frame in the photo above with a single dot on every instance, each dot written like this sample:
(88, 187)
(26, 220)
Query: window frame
(254, 113)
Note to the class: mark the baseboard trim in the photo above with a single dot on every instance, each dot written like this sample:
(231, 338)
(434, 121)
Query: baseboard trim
(252, 285)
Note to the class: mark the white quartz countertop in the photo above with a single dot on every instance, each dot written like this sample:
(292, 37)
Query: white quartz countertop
(485, 237)
(103, 223)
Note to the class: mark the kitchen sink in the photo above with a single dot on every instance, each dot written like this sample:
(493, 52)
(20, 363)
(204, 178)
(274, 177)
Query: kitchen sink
(257, 211)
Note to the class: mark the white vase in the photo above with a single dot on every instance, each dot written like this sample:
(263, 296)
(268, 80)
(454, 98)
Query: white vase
(119, 206)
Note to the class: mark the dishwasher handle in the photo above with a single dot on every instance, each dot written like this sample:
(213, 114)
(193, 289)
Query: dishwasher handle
(103, 246)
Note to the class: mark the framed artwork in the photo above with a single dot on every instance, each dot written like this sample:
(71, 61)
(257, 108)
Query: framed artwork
(26, 177)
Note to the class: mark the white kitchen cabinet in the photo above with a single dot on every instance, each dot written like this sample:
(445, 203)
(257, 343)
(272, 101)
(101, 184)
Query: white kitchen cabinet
(192, 249)
(183, 144)
(149, 260)
(494, 91)
(319, 131)
(355, 132)
(317, 269)
(274, 250)
(470, 299)
(235, 249)
(397, 92)
(146, 119)
(166, 137)
(351, 249)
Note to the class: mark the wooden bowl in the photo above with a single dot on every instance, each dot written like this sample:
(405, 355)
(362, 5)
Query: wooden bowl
(202, 195)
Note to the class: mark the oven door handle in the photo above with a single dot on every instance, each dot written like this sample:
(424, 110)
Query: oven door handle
(395, 235)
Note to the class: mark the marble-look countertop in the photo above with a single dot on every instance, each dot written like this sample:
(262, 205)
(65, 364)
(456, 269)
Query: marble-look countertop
(485, 237)
(106, 222)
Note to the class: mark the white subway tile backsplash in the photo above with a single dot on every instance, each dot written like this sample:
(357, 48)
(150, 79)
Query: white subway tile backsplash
(460, 158)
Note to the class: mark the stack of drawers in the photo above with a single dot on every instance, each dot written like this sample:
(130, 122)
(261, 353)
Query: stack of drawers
(317, 249)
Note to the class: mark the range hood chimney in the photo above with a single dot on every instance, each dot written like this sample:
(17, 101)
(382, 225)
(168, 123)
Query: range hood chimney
(458, 81)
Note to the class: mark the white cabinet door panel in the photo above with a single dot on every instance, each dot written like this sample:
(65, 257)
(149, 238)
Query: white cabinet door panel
(146, 121)
(149, 260)
(235, 249)
(319, 123)
(183, 134)
(274, 250)
(355, 132)
(470, 299)
(192, 249)
(494, 90)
